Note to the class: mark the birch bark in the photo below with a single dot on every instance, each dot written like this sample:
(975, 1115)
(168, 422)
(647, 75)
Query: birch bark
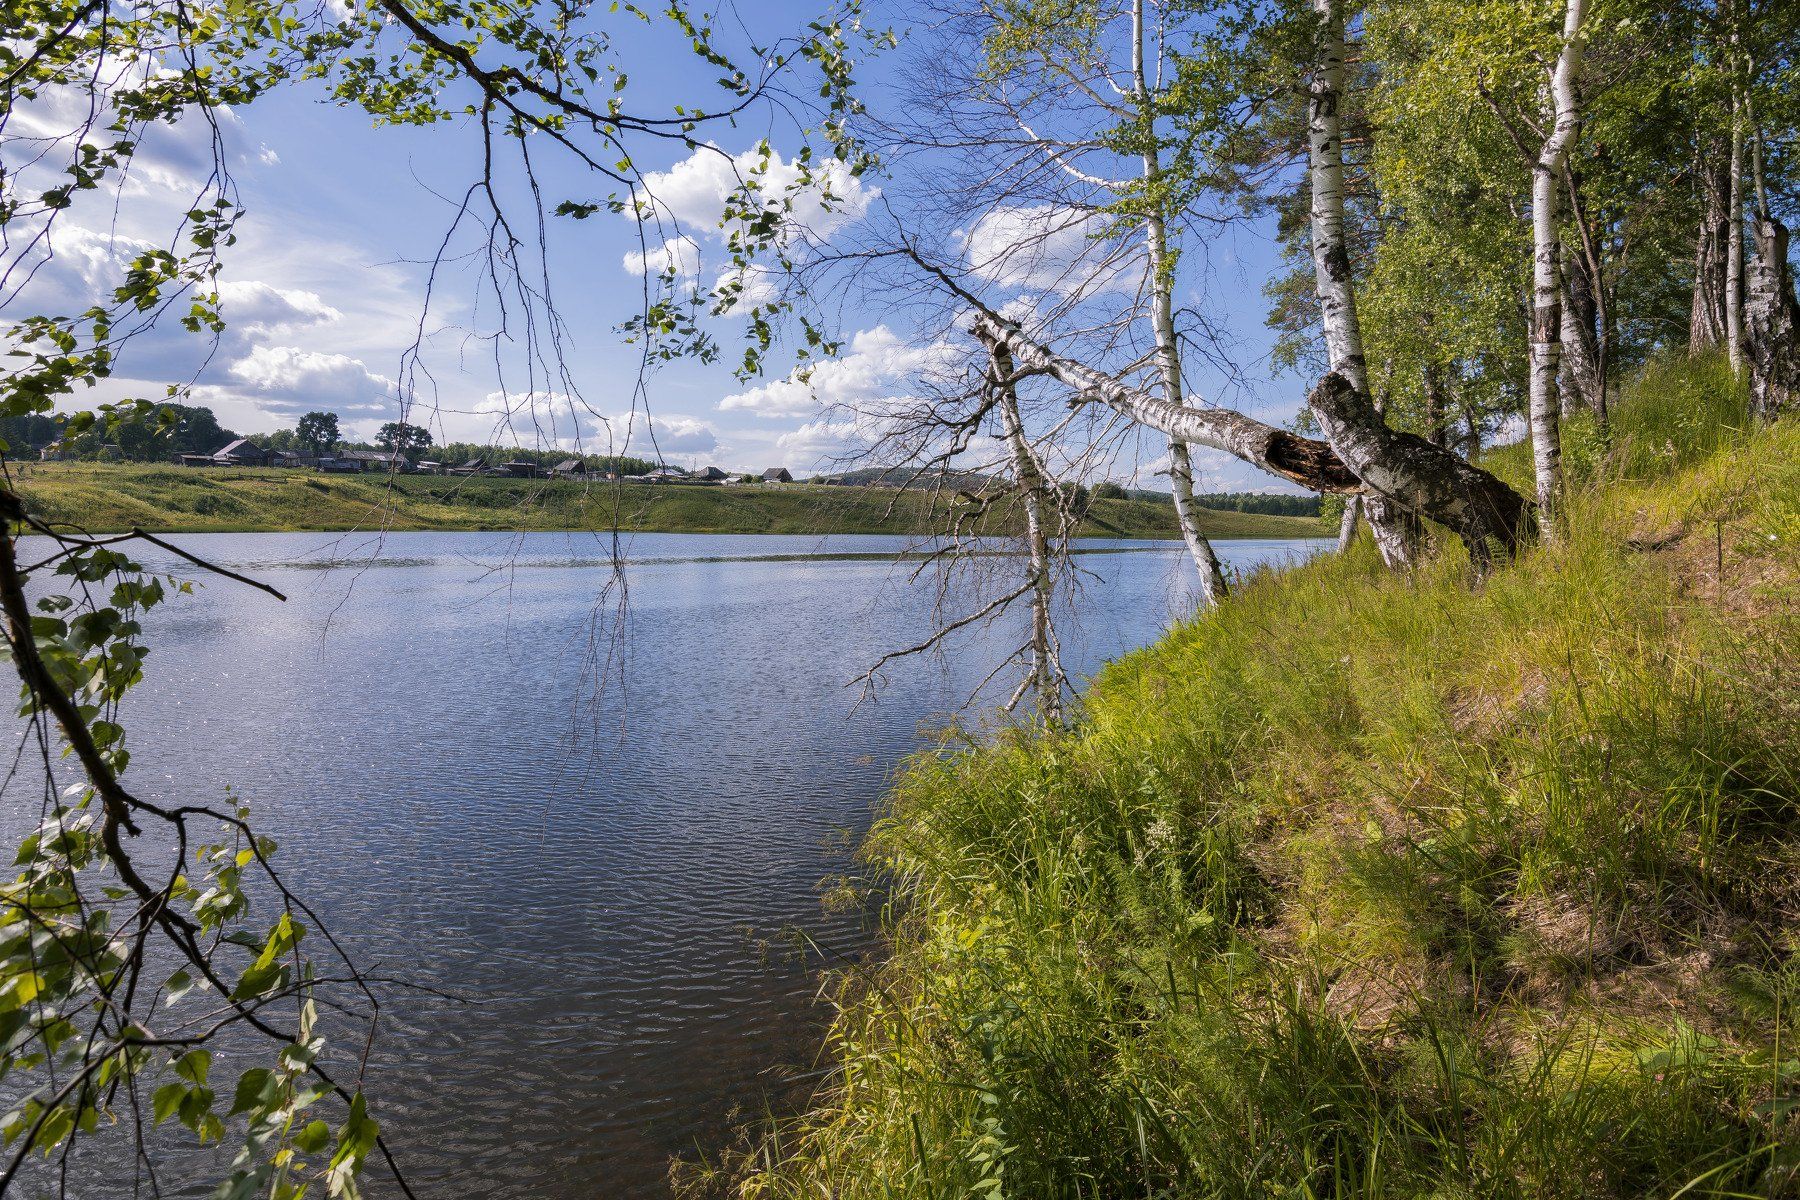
(1365, 455)
(1044, 676)
(1772, 311)
(1546, 275)
(1162, 320)
(1734, 236)
(1396, 533)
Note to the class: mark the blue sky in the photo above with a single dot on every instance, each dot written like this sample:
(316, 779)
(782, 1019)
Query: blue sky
(324, 292)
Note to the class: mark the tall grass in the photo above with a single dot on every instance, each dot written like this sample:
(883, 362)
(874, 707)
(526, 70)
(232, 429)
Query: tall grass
(1371, 886)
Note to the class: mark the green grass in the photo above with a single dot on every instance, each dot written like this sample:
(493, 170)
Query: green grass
(1367, 885)
(178, 499)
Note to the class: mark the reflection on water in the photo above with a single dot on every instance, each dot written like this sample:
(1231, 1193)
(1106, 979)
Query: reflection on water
(608, 880)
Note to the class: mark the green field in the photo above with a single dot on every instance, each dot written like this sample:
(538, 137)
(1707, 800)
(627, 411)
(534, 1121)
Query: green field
(1370, 885)
(106, 497)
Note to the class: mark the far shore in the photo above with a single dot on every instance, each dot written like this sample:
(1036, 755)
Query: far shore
(104, 497)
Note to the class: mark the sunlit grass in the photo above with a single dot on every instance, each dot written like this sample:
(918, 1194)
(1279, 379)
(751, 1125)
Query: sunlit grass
(1372, 886)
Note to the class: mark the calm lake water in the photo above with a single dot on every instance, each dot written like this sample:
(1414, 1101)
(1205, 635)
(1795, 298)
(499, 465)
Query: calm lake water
(611, 882)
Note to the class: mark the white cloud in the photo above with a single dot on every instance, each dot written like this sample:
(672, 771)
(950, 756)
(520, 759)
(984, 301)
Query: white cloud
(878, 366)
(314, 377)
(260, 309)
(672, 434)
(83, 267)
(678, 254)
(757, 287)
(693, 194)
(1049, 248)
(822, 443)
(695, 190)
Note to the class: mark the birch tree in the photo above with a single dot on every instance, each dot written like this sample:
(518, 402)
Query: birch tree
(1162, 309)
(1067, 111)
(1547, 181)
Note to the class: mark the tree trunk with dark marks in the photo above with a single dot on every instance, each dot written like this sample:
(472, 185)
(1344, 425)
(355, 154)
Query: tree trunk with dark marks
(1422, 478)
(1436, 427)
(1584, 375)
(1706, 316)
(1773, 319)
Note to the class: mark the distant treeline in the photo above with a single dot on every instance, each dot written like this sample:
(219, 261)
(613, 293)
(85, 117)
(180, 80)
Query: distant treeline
(194, 429)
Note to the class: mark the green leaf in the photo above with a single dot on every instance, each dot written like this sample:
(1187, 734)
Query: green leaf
(313, 1138)
(166, 1101)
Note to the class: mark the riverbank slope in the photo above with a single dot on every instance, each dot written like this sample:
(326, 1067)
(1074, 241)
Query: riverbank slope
(1373, 886)
(111, 497)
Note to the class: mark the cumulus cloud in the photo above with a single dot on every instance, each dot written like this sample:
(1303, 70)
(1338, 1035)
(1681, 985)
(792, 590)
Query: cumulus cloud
(259, 308)
(1049, 248)
(672, 434)
(693, 194)
(312, 377)
(823, 442)
(82, 267)
(680, 255)
(695, 190)
(878, 365)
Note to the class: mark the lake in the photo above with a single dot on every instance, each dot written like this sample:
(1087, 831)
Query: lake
(609, 876)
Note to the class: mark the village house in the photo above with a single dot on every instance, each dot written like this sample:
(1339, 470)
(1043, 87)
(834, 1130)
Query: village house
(665, 475)
(570, 468)
(777, 475)
(709, 475)
(377, 460)
(242, 453)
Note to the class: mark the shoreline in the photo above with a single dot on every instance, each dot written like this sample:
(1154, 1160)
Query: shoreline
(110, 498)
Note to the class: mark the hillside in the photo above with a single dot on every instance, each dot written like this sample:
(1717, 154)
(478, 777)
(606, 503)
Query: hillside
(1372, 886)
(177, 499)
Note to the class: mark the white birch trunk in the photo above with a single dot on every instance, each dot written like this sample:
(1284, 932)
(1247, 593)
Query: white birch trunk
(1162, 323)
(1734, 237)
(1330, 243)
(1044, 677)
(1348, 522)
(1396, 533)
(1546, 275)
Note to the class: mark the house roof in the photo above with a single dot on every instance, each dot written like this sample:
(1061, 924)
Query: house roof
(570, 464)
(776, 473)
(239, 447)
(382, 456)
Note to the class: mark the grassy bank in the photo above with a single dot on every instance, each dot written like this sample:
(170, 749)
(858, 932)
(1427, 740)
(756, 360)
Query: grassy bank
(1372, 886)
(177, 499)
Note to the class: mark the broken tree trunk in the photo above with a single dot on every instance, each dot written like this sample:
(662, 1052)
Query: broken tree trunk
(1405, 468)
(1431, 481)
